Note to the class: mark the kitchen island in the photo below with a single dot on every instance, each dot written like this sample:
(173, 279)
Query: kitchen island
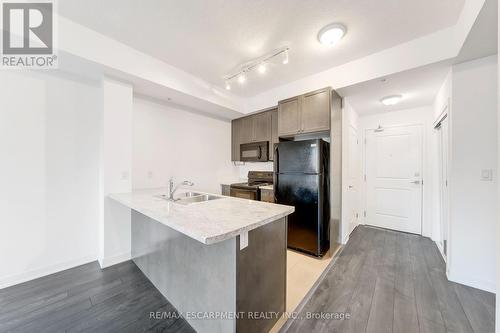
(220, 261)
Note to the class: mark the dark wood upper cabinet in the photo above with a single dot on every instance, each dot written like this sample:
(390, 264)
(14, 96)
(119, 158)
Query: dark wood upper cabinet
(304, 114)
(289, 116)
(274, 133)
(255, 128)
(262, 126)
(307, 113)
(236, 126)
(316, 111)
(246, 131)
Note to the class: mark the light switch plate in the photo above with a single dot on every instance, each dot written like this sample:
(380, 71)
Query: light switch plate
(487, 175)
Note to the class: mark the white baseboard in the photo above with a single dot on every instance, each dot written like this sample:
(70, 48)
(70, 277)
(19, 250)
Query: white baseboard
(346, 239)
(473, 282)
(12, 280)
(113, 260)
(441, 251)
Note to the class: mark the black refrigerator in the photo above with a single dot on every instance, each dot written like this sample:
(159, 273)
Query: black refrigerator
(301, 179)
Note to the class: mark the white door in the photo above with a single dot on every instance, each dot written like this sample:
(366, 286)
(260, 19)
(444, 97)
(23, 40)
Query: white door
(393, 172)
(353, 171)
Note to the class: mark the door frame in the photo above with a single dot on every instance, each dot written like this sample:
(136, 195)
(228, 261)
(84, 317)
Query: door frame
(445, 114)
(422, 164)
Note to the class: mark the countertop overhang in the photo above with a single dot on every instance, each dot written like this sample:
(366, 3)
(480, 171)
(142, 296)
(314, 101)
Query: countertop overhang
(207, 222)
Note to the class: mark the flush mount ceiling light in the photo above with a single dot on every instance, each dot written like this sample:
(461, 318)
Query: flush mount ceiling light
(260, 64)
(331, 34)
(391, 100)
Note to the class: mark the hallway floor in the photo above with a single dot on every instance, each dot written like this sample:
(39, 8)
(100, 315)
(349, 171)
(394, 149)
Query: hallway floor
(394, 282)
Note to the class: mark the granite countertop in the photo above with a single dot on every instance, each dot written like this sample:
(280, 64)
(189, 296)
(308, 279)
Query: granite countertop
(208, 222)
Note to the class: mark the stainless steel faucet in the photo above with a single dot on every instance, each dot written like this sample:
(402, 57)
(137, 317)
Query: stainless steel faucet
(172, 188)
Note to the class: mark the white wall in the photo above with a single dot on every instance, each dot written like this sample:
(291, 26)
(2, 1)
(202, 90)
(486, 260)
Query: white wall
(169, 142)
(116, 159)
(49, 174)
(497, 318)
(424, 117)
(443, 97)
(473, 203)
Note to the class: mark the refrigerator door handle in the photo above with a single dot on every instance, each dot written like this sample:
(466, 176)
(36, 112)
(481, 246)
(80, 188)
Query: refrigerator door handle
(276, 159)
(276, 170)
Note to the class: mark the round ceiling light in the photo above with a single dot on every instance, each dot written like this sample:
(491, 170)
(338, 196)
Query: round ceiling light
(391, 100)
(331, 34)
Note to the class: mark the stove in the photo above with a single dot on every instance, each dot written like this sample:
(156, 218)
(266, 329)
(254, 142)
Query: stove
(250, 190)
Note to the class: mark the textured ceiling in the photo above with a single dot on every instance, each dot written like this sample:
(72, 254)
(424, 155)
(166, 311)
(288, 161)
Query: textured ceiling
(209, 38)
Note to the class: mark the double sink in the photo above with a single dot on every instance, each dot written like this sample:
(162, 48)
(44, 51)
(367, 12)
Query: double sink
(187, 198)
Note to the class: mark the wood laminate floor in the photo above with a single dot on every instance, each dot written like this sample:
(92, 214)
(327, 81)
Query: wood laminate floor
(394, 282)
(88, 299)
(387, 282)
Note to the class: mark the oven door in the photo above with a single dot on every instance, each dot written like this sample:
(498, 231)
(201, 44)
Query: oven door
(244, 193)
(254, 152)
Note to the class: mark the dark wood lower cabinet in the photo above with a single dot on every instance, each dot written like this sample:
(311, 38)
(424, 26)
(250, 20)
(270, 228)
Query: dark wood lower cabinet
(261, 278)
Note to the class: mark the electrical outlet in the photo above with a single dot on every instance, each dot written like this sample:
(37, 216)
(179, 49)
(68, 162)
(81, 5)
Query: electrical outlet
(150, 174)
(124, 175)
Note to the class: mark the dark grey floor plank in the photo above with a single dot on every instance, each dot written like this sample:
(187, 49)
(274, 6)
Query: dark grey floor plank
(43, 288)
(480, 317)
(362, 296)
(62, 302)
(405, 314)
(48, 281)
(166, 315)
(404, 276)
(334, 294)
(401, 286)
(425, 296)
(427, 326)
(129, 312)
(110, 309)
(374, 265)
(178, 326)
(45, 322)
(48, 310)
(382, 309)
(405, 309)
(452, 311)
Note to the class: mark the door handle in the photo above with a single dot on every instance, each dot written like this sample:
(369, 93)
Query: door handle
(350, 186)
(416, 182)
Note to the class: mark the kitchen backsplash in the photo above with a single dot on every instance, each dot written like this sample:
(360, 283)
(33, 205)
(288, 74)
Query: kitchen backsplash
(251, 166)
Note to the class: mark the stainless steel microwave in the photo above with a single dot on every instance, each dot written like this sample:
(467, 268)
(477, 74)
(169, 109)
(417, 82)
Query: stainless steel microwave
(254, 152)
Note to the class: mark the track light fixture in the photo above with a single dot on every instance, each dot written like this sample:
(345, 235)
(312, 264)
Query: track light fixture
(260, 64)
